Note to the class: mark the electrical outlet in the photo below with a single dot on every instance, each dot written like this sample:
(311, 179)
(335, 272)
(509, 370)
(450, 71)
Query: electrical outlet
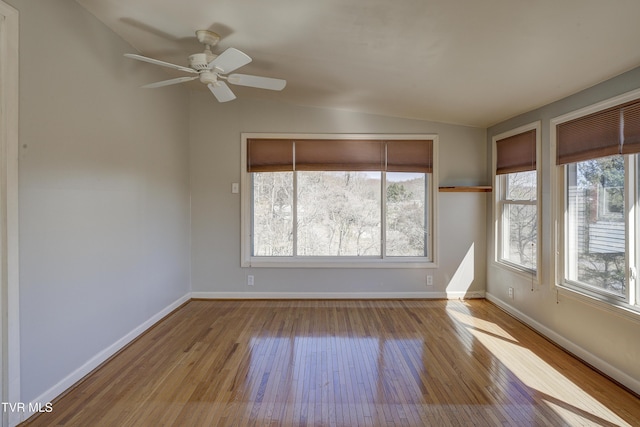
(429, 280)
(250, 280)
(511, 293)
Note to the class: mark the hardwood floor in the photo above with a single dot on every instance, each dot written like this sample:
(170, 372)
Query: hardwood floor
(342, 363)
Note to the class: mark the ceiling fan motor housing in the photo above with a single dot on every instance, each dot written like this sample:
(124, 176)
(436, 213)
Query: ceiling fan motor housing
(200, 61)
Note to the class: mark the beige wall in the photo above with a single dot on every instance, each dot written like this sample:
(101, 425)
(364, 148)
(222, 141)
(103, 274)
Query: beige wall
(605, 338)
(215, 163)
(103, 194)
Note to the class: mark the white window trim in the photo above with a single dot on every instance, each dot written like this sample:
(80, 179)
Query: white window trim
(334, 262)
(630, 308)
(528, 274)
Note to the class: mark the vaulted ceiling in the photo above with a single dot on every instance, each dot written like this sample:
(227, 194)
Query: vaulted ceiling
(457, 61)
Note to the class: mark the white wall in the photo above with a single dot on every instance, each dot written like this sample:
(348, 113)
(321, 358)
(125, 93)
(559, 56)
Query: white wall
(215, 163)
(605, 339)
(104, 193)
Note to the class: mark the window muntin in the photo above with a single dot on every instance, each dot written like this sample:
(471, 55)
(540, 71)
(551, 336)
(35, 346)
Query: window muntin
(340, 217)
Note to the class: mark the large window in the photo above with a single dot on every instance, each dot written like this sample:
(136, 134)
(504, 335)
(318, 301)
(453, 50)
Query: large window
(326, 200)
(516, 190)
(596, 154)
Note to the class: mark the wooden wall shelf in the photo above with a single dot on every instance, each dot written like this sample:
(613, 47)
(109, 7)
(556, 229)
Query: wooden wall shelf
(467, 189)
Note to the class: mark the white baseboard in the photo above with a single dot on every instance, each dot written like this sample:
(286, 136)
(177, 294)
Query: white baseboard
(336, 295)
(581, 353)
(465, 295)
(101, 357)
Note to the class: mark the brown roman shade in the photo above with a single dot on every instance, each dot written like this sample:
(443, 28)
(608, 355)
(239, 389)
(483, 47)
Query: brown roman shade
(516, 153)
(604, 133)
(588, 137)
(276, 155)
(631, 120)
(269, 155)
(410, 156)
(339, 155)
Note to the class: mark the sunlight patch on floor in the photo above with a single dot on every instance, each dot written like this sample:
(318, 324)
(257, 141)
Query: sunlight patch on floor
(564, 397)
(477, 323)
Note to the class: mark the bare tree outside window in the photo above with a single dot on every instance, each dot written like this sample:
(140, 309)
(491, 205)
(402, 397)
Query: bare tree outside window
(406, 232)
(273, 214)
(339, 214)
(519, 219)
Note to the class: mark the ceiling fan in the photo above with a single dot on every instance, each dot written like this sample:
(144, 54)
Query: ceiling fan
(213, 70)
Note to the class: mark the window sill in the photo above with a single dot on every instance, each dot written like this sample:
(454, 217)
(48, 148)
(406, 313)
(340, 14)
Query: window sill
(528, 275)
(466, 189)
(620, 309)
(338, 263)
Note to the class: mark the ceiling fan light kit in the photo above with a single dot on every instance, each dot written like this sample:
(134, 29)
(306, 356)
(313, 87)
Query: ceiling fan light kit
(211, 69)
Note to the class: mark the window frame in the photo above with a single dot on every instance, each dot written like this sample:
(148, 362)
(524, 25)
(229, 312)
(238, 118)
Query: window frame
(500, 201)
(248, 260)
(629, 304)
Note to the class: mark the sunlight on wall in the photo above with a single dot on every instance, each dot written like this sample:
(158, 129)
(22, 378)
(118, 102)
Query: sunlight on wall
(463, 277)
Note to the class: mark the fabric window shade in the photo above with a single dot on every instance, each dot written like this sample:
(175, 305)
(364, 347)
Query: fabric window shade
(275, 155)
(589, 137)
(516, 153)
(631, 134)
(269, 155)
(339, 155)
(410, 156)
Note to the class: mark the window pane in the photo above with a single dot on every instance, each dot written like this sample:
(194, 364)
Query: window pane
(520, 234)
(519, 218)
(521, 186)
(273, 214)
(406, 232)
(339, 213)
(596, 225)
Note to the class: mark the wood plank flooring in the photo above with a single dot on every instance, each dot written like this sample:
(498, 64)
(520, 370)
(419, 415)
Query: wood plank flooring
(342, 363)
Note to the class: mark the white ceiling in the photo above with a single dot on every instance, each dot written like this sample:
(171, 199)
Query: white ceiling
(467, 62)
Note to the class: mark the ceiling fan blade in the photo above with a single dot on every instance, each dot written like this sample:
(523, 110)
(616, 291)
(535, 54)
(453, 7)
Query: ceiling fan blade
(257, 81)
(169, 82)
(221, 91)
(229, 60)
(161, 63)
